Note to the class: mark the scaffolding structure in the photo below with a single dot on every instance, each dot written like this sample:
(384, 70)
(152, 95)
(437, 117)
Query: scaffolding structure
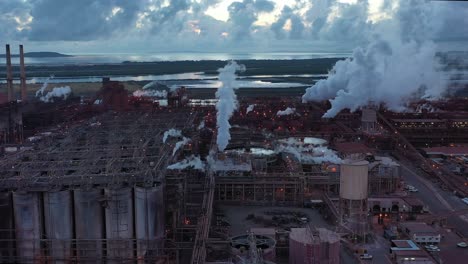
(120, 158)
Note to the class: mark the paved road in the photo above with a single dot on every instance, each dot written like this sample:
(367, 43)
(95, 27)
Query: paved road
(438, 200)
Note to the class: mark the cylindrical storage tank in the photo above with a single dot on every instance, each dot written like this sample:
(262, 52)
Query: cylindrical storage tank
(7, 235)
(119, 224)
(149, 217)
(308, 248)
(89, 226)
(58, 225)
(240, 246)
(27, 226)
(354, 180)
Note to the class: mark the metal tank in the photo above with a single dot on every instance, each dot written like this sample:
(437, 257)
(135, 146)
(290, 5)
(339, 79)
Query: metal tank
(27, 226)
(58, 225)
(89, 226)
(119, 224)
(149, 217)
(354, 180)
(7, 247)
(307, 247)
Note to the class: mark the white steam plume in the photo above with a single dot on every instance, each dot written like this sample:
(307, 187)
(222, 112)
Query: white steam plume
(180, 144)
(287, 111)
(171, 133)
(393, 69)
(57, 92)
(150, 93)
(308, 153)
(41, 90)
(192, 161)
(201, 125)
(227, 103)
(250, 108)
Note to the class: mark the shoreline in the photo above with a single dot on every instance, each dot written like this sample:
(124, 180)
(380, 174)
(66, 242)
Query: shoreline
(253, 67)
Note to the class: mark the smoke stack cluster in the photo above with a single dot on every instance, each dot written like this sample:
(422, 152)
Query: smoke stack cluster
(9, 75)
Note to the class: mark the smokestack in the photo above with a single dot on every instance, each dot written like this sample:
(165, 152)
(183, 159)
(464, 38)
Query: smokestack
(9, 78)
(24, 94)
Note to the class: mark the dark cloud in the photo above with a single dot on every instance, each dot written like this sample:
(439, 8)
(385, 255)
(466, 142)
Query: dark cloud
(453, 18)
(296, 25)
(242, 16)
(81, 20)
(351, 23)
(10, 12)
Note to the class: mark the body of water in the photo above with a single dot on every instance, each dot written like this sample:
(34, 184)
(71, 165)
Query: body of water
(202, 80)
(190, 80)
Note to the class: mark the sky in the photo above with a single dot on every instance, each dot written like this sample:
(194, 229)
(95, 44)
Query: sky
(122, 26)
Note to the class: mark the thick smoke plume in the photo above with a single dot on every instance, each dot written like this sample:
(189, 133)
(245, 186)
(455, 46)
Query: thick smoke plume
(57, 92)
(191, 162)
(227, 103)
(392, 69)
(171, 133)
(287, 111)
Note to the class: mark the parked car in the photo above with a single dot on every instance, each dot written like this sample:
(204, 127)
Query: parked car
(432, 248)
(465, 200)
(462, 245)
(366, 256)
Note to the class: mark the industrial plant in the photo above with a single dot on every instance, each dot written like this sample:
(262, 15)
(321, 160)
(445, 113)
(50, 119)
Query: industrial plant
(164, 175)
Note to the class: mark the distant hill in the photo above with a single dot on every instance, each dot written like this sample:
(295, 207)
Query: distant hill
(39, 55)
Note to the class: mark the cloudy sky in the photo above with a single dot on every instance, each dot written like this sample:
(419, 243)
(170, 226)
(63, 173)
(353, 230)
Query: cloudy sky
(91, 26)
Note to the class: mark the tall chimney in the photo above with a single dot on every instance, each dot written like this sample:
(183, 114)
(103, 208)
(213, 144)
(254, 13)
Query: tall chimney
(9, 74)
(24, 93)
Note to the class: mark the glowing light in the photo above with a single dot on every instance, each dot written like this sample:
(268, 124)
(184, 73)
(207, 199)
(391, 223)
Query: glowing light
(23, 23)
(288, 25)
(194, 26)
(225, 34)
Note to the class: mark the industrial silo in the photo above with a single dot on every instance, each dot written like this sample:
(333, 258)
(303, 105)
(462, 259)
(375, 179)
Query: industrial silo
(58, 225)
(149, 218)
(89, 225)
(119, 223)
(7, 235)
(308, 246)
(27, 211)
(354, 182)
